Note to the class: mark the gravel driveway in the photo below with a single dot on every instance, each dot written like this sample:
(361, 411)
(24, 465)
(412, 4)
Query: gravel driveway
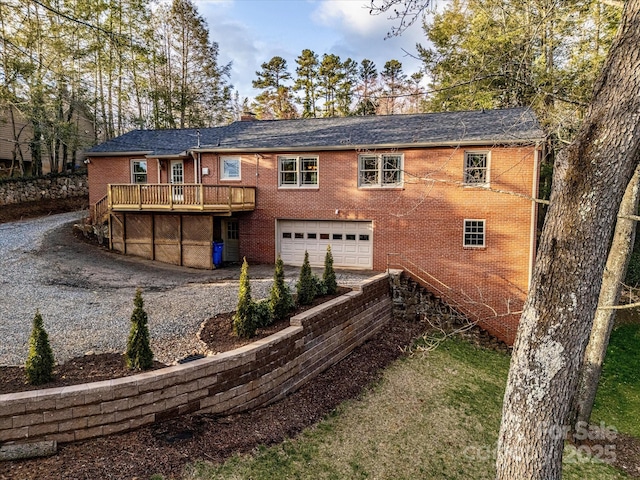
(85, 293)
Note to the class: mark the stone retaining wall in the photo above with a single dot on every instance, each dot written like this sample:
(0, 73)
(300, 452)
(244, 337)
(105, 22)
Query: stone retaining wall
(23, 190)
(254, 375)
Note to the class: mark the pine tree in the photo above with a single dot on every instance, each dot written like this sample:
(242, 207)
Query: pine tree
(243, 323)
(40, 362)
(276, 99)
(329, 275)
(306, 286)
(139, 355)
(280, 299)
(307, 81)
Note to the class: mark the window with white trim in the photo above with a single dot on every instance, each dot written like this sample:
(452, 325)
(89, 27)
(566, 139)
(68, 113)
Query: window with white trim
(474, 233)
(298, 172)
(230, 168)
(382, 170)
(138, 171)
(476, 168)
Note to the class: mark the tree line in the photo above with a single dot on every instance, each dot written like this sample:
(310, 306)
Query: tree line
(328, 86)
(74, 73)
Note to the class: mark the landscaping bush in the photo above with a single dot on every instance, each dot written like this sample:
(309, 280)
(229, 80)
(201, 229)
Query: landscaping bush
(139, 355)
(280, 298)
(319, 286)
(306, 286)
(243, 321)
(329, 275)
(40, 362)
(262, 313)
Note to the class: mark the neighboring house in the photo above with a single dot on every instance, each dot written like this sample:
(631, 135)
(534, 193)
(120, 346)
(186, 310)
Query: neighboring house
(16, 135)
(449, 197)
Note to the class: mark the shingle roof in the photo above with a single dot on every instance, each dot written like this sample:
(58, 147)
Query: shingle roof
(514, 125)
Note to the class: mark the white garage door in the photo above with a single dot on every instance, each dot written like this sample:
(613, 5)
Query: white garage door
(351, 242)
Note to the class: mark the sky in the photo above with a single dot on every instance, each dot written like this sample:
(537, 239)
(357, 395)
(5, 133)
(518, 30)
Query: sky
(251, 32)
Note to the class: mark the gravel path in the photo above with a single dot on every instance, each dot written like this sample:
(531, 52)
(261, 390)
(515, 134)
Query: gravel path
(85, 293)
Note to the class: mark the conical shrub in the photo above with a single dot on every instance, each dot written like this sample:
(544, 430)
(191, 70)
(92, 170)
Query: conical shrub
(329, 275)
(40, 362)
(139, 355)
(243, 324)
(280, 299)
(306, 286)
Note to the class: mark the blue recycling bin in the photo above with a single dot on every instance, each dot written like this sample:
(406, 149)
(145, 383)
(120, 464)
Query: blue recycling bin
(217, 253)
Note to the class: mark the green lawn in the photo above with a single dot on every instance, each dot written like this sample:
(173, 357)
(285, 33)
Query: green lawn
(433, 416)
(618, 399)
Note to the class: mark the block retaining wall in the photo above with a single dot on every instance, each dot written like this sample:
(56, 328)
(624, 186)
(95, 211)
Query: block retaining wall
(24, 190)
(251, 376)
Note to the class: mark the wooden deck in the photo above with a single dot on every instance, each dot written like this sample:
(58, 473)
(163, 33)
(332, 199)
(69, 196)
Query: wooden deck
(180, 198)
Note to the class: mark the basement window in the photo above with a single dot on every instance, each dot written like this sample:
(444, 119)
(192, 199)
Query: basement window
(474, 233)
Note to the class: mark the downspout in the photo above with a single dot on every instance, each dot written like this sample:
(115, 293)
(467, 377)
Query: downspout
(159, 168)
(534, 210)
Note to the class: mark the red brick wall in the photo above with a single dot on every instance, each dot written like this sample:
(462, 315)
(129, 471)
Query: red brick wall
(105, 170)
(423, 221)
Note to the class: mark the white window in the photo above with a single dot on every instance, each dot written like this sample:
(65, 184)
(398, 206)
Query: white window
(230, 168)
(383, 170)
(476, 168)
(138, 171)
(298, 172)
(474, 233)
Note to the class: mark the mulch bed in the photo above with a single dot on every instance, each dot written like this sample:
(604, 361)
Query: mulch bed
(217, 333)
(166, 448)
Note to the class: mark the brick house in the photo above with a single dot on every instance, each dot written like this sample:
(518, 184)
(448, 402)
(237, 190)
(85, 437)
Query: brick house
(448, 197)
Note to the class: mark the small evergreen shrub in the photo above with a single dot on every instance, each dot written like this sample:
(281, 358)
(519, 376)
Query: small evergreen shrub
(280, 298)
(40, 362)
(139, 355)
(320, 287)
(329, 275)
(243, 320)
(306, 286)
(262, 313)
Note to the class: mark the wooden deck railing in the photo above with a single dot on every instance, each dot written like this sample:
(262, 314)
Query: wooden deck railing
(181, 198)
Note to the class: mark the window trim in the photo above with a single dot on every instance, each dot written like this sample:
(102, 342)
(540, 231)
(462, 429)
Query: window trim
(133, 173)
(380, 170)
(299, 172)
(464, 233)
(225, 178)
(487, 169)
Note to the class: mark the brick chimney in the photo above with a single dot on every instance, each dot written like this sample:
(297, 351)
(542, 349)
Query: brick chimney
(248, 117)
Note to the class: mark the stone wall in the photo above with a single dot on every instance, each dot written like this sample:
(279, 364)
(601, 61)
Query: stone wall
(24, 190)
(413, 302)
(248, 377)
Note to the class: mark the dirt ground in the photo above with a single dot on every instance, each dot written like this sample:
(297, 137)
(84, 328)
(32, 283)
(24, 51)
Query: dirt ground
(22, 211)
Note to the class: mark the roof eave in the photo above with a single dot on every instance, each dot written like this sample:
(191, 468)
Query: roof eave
(119, 154)
(464, 143)
(142, 153)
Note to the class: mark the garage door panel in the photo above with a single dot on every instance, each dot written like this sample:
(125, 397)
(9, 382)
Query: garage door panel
(351, 242)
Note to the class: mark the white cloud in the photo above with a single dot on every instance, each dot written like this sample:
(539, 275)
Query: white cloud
(358, 34)
(351, 16)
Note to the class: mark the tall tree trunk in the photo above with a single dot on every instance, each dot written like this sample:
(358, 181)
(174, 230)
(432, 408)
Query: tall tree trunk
(614, 272)
(589, 181)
